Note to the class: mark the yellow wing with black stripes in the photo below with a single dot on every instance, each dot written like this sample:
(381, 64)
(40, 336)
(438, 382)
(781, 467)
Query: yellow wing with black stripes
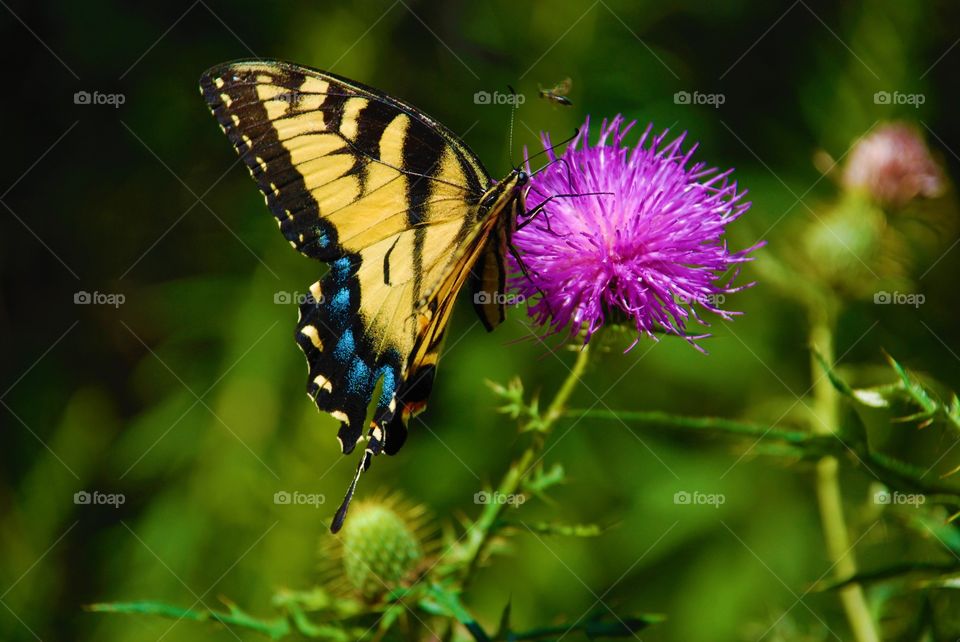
(402, 211)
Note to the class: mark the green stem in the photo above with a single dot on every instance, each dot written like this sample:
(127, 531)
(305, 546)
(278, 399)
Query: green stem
(483, 529)
(717, 425)
(826, 419)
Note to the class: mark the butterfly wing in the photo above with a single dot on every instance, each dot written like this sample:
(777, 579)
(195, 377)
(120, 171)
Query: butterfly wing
(489, 278)
(391, 199)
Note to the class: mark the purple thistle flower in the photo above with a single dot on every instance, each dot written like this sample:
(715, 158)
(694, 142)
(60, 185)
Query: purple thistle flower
(651, 251)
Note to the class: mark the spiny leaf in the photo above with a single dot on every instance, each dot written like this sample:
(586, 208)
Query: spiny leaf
(945, 533)
(441, 600)
(541, 480)
(620, 627)
(503, 629)
(889, 573)
(913, 387)
(514, 406)
(390, 616)
(512, 397)
(275, 628)
(838, 383)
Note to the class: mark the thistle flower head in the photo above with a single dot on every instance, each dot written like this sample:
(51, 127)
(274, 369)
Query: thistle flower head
(646, 246)
(893, 166)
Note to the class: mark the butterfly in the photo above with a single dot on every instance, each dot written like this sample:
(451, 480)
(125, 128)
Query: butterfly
(558, 93)
(401, 210)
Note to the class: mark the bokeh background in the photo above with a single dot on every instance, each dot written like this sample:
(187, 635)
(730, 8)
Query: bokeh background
(187, 398)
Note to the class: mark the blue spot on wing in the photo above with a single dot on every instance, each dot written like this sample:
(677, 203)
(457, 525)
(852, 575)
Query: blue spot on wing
(342, 267)
(358, 378)
(345, 347)
(340, 301)
(389, 387)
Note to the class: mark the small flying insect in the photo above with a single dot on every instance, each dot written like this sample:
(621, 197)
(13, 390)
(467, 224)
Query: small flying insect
(558, 93)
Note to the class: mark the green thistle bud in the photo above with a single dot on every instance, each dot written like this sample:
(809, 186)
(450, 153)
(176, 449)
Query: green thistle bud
(380, 547)
(844, 246)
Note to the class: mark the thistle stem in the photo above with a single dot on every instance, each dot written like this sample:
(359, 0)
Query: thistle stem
(485, 526)
(825, 420)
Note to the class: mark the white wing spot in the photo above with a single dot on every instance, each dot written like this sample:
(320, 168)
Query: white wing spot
(324, 384)
(311, 332)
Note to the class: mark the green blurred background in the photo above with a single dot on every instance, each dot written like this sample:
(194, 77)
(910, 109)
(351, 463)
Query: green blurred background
(188, 398)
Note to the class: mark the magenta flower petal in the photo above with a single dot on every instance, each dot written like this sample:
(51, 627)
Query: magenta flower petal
(651, 251)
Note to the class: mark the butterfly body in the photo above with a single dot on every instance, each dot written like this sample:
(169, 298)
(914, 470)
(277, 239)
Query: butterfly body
(403, 212)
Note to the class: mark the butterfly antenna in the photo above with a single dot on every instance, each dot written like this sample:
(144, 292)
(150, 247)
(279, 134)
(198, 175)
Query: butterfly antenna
(513, 111)
(576, 132)
(341, 513)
